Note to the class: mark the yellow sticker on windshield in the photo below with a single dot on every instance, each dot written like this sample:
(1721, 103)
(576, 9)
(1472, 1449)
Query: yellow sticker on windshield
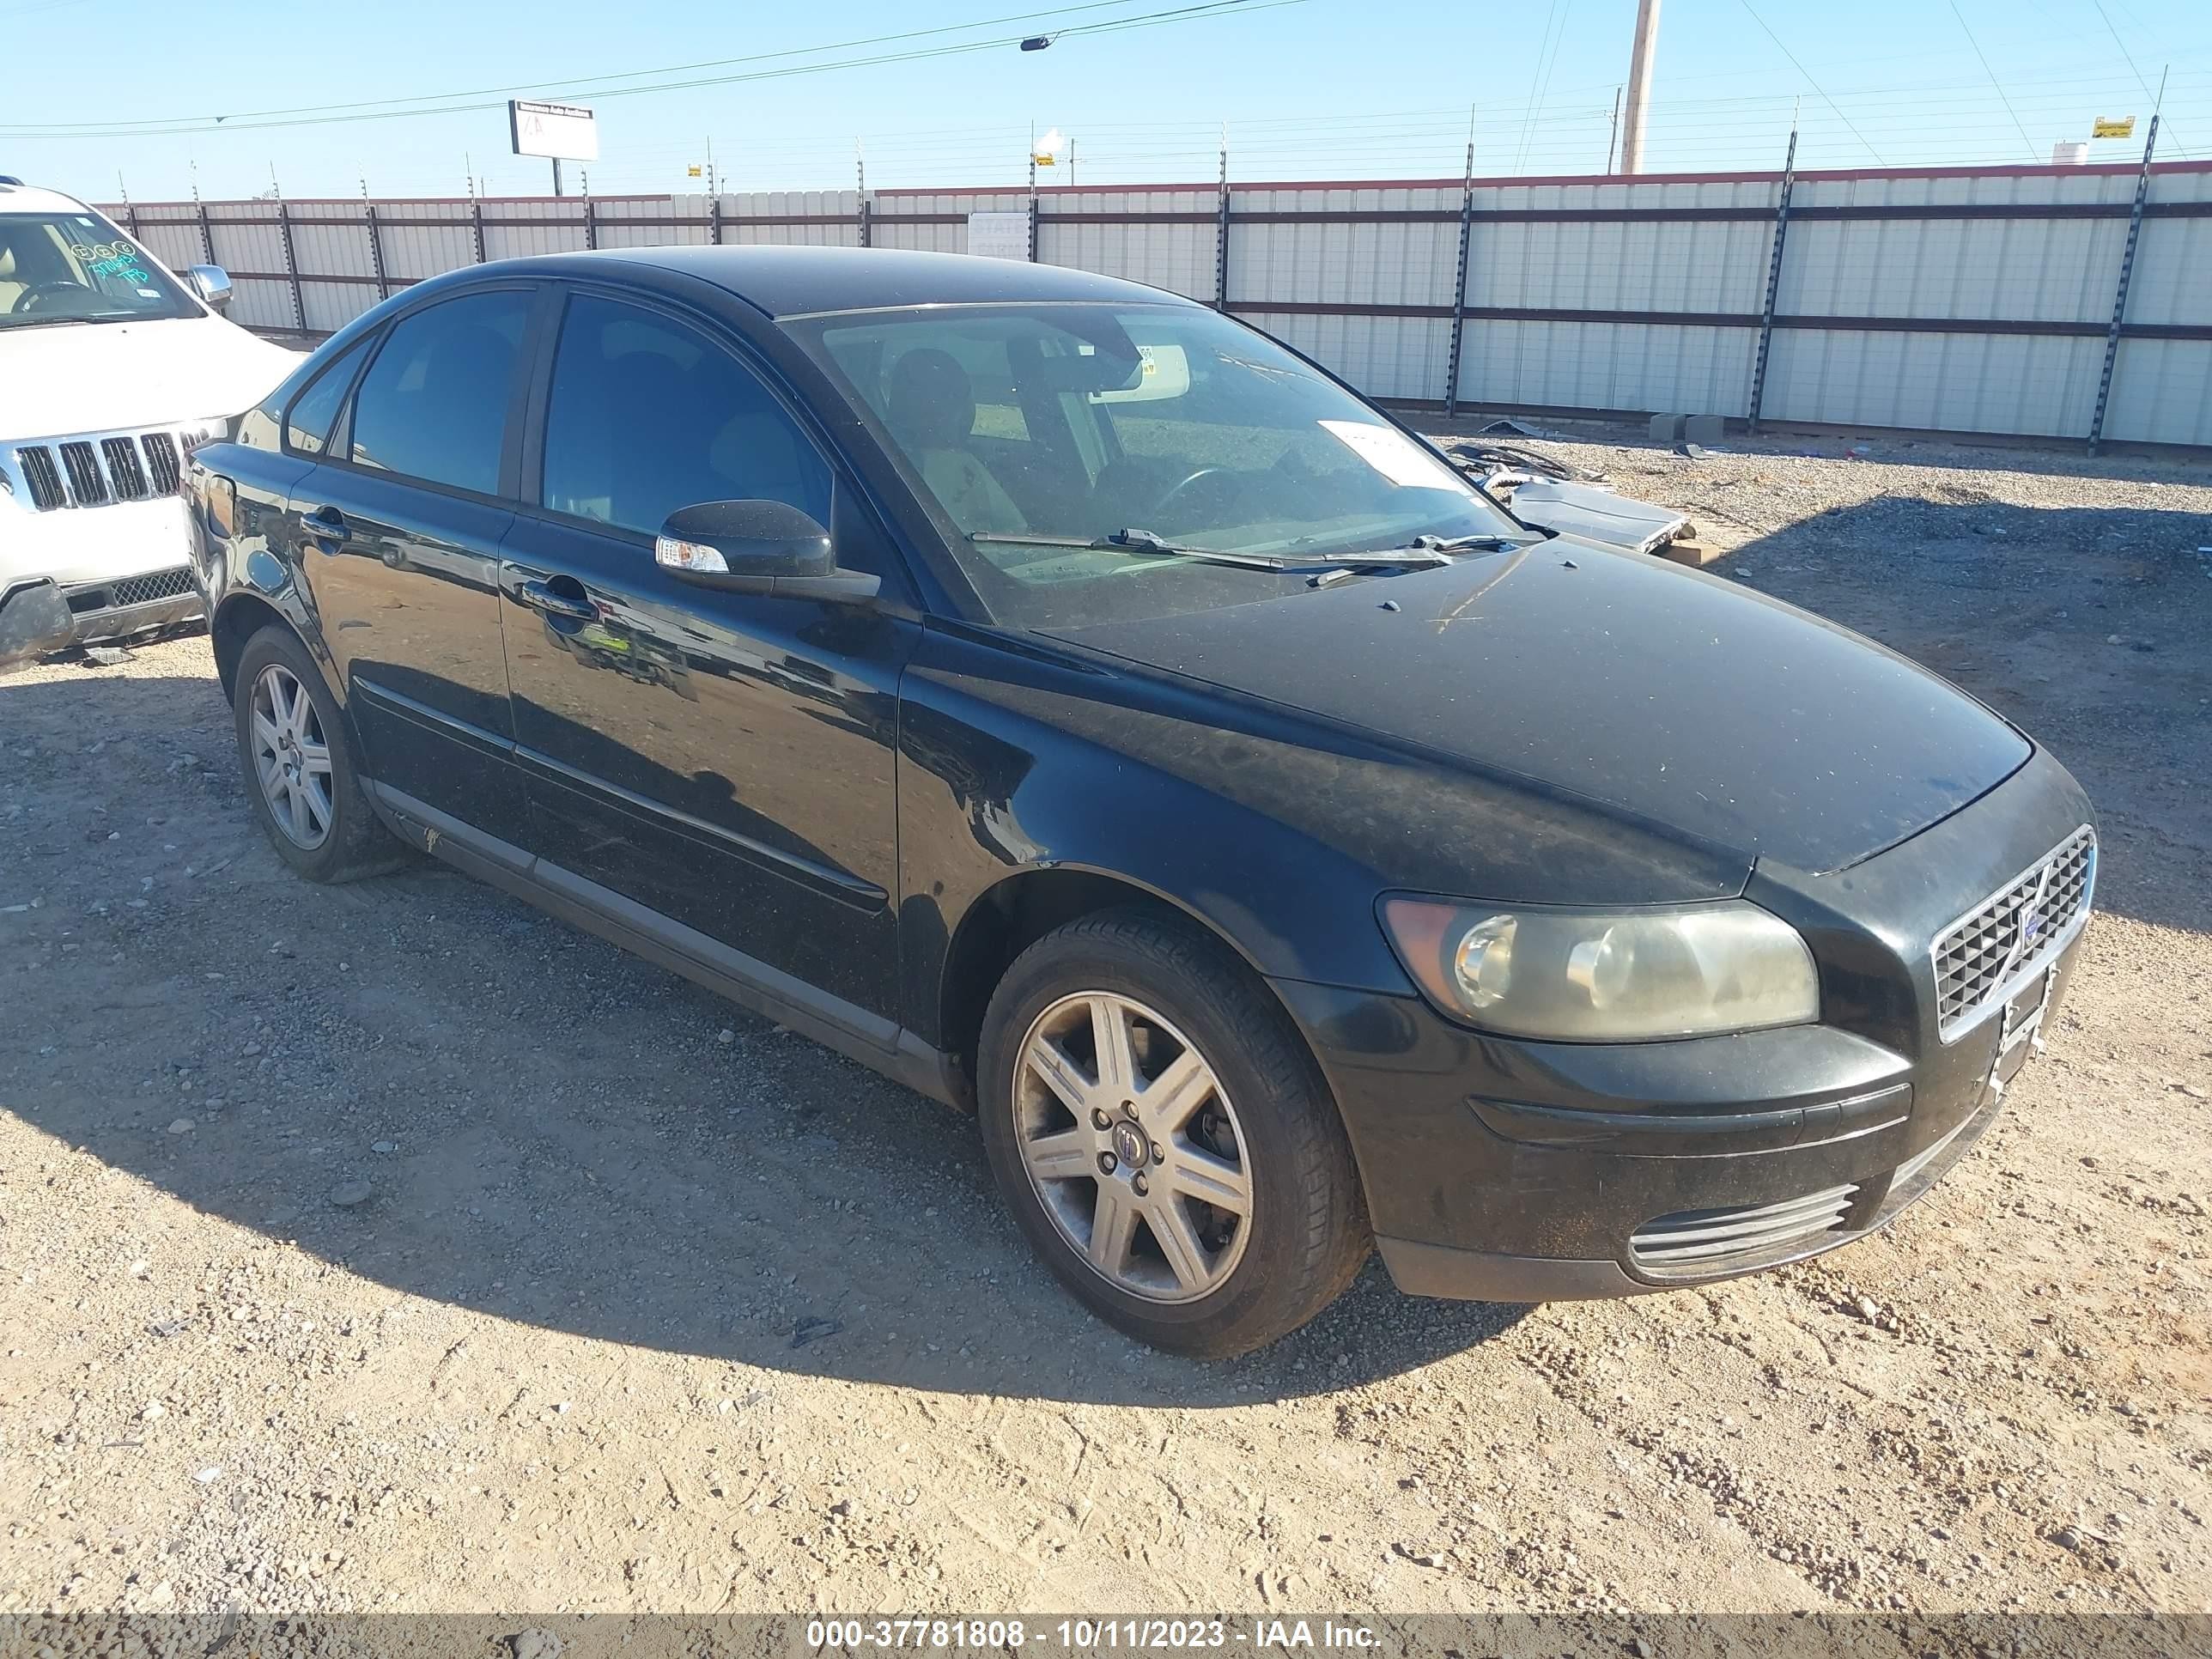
(1392, 454)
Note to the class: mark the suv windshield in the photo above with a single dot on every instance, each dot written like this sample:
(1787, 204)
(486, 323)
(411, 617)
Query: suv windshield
(1079, 422)
(76, 267)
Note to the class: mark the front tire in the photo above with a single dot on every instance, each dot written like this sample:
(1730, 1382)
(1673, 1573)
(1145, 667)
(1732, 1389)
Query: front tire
(1164, 1139)
(297, 757)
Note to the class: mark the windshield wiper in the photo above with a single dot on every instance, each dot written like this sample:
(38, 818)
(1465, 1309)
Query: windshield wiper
(63, 317)
(1146, 544)
(1470, 544)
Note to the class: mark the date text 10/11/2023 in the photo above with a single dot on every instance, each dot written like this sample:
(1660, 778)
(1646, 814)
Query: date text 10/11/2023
(1079, 1636)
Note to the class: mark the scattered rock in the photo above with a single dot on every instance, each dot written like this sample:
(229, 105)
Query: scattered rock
(384, 1148)
(349, 1194)
(183, 1126)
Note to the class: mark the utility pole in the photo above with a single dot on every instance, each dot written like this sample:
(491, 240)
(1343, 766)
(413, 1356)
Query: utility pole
(556, 175)
(2127, 271)
(1639, 85)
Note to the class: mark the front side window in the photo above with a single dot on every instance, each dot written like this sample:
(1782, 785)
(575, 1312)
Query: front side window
(78, 268)
(648, 416)
(307, 426)
(434, 405)
(1073, 423)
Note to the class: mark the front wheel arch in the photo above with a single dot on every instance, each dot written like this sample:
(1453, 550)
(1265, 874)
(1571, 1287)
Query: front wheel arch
(1013, 914)
(237, 620)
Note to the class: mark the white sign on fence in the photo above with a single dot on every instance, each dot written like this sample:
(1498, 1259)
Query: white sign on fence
(566, 132)
(998, 235)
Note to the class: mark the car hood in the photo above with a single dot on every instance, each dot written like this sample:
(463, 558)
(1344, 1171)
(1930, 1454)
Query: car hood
(69, 378)
(1660, 696)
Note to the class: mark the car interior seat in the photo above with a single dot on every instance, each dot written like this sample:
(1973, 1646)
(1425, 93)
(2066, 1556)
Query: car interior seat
(930, 411)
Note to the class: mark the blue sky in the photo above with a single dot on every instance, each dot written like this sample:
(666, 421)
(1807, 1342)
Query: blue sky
(1309, 88)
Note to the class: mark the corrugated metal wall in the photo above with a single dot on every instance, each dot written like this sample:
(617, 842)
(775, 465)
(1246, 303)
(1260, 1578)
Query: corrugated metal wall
(1936, 299)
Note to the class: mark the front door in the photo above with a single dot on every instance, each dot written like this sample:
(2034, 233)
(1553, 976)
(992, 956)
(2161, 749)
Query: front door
(401, 522)
(725, 760)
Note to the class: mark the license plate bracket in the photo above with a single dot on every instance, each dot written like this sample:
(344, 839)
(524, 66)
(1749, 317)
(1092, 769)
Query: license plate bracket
(2019, 1032)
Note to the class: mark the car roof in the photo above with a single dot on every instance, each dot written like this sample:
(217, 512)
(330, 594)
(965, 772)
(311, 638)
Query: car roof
(785, 280)
(29, 198)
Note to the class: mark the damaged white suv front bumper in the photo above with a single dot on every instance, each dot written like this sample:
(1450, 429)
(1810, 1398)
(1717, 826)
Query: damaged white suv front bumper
(93, 538)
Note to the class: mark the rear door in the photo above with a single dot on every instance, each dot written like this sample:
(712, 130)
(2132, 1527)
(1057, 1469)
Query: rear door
(400, 522)
(725, 760)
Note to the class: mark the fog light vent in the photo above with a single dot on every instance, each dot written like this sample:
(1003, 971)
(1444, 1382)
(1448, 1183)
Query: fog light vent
(1693, 1243)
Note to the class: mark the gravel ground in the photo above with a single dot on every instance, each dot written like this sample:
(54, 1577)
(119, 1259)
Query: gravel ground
(395, 1247)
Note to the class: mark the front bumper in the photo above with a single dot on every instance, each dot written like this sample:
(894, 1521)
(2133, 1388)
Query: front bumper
(41, 617)
(1509, 1171)
(117, 571)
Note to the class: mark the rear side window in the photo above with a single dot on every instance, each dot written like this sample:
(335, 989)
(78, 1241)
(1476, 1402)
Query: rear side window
(307, 426)
(648, 416)
(434, 405)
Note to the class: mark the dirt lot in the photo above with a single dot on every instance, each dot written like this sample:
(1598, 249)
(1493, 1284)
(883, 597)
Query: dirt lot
(395, 1247)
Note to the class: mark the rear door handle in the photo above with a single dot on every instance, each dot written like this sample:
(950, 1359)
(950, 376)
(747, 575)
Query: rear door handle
(326, 522)
(539, 597)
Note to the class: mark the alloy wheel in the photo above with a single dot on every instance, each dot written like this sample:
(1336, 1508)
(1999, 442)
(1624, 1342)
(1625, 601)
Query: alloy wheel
(1134, 1147)
(292, 757)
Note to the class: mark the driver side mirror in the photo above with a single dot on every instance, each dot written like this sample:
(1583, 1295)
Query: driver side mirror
(757, 547)
(211, 283)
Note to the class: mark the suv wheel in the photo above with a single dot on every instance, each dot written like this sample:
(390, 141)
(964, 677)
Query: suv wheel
(299, 767)
(1166, 1139)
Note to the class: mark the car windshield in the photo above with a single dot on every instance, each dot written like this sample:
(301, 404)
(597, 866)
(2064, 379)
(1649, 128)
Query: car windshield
(77, 268)
(1077, 423)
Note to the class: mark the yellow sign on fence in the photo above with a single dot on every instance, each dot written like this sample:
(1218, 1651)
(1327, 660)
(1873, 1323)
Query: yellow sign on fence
(2121, 127)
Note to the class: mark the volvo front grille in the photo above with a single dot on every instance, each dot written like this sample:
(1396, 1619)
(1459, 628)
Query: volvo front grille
(2012, 935)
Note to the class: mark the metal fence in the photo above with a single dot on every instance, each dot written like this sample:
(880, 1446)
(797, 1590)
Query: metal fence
(1943, 300)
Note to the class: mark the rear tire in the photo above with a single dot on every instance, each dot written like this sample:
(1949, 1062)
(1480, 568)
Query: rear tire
(1196, 1189)
(297, 757)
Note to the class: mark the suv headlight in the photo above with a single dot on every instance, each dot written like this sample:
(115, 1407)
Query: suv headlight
(1606, 975)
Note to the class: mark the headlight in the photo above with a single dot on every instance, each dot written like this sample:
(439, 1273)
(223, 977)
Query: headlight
(1607, 977)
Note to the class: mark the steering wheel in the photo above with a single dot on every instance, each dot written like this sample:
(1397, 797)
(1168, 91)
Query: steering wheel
(1175, 493)
(29, 299)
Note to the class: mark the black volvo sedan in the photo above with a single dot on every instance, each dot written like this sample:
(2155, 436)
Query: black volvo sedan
(1083, 709)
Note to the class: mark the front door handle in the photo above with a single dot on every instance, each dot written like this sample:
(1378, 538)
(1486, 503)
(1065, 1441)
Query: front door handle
(324, 524)
(540, 597)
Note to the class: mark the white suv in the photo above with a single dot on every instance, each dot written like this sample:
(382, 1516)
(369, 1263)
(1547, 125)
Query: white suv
(110, 371)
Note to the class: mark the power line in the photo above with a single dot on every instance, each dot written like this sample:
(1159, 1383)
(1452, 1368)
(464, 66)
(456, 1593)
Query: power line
(580, 86)
(2125, 53)
(302, 117)
(1811, 83)
(2034, 153)
(1543, 86)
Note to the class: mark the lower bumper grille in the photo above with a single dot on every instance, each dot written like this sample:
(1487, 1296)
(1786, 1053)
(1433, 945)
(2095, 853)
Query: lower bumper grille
(144, 590)
(1692, 1244)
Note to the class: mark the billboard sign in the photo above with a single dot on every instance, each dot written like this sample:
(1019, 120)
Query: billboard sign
(566, 132)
